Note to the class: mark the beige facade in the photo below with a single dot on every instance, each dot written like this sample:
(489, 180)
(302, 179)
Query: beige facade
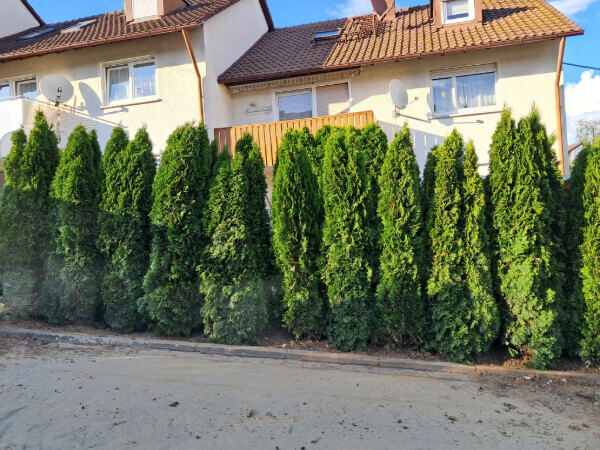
(525, 76)
(176, 99)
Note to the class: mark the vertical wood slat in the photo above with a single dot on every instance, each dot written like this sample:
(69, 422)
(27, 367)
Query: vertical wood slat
(268, 136)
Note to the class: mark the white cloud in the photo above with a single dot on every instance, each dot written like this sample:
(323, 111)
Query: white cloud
(352, 8)
(582, 102)
(572, 7)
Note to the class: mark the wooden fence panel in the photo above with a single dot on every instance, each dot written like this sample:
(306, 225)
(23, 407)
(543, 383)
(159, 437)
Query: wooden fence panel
(268, 136)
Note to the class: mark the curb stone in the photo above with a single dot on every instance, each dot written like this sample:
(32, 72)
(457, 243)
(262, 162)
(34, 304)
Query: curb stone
(588, 379)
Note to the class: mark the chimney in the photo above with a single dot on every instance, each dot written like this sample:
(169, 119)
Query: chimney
(150, 9)
(384, 9)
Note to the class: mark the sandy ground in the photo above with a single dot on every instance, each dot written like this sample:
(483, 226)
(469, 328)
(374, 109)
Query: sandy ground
(57, 396)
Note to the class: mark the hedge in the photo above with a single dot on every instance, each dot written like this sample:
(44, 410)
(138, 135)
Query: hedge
(125, 237)
(171, 302)
(297, 214)
(72, 285)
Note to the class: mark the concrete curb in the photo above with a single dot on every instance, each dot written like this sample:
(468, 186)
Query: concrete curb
(587, 379)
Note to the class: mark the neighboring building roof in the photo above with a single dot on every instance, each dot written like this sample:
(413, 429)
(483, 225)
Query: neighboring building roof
(293, 51)
(33, 12)
(574, 147)
(112, 27)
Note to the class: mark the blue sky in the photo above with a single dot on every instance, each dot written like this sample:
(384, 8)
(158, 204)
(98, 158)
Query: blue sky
(582, 89)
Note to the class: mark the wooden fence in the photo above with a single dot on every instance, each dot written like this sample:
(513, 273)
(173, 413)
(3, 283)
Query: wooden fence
(269, 135)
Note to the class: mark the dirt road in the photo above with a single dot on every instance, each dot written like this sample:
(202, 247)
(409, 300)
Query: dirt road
(55, 396)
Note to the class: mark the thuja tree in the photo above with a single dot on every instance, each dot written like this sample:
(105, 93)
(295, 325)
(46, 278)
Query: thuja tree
(25, 206)
(374, 145)
(575, 214)
(72, 284)
(124, 220)
(447, 287)
(399, 294)
(297, 214)
(590, 267)
(484, 318)
(171, 302)
(236, 277)
(528, 255)
(346, 238)
(427, 201)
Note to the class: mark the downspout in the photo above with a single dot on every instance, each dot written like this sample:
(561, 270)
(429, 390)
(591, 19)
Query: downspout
(561, 54)
(188, 44)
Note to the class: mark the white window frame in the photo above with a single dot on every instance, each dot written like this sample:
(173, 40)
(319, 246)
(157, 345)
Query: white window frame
(15, 81)
(312, 89)
(10, 90)
(130, 100)
(464, 71)
(470, 17)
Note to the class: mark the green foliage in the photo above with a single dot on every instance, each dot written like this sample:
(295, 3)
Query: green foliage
(317, 156)
(236, 277)
(25, 234)
(171, 302)
(346, 236)
(590, 268)
(575, 213)
(522, 190)
(399, 294)
(124, 222)
(484, 317)
(12, 163)
(297, 214)
(74, 267)
(447, 287)
(427, 202)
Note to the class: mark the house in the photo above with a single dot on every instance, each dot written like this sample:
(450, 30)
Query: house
(451, 64)
(574, 150)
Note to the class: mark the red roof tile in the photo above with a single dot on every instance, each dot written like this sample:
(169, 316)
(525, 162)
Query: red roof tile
(294, 51)
(112, 27)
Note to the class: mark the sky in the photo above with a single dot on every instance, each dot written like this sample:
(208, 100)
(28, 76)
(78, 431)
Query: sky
(582, 89)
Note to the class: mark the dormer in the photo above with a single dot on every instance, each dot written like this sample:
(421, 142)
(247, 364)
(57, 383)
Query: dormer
(140, 10)
(448, 13)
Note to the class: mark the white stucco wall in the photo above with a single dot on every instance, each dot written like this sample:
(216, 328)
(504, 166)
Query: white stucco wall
(227, 36)
(176, 101)
(525, 76)
(175, 83)
(15, 17)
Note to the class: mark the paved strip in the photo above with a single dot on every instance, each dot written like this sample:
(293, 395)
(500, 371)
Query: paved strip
(586, 379)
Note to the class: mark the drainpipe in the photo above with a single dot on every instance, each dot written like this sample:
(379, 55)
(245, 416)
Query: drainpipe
(188, 44)
(561, 53)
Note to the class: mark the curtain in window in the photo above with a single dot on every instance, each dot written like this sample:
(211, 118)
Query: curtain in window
(442, 95)
(144, 76)
(118, 81)
(476, 90)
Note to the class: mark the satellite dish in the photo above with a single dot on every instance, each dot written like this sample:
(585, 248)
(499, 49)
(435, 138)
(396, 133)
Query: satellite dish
(399, 94)
(56, 88)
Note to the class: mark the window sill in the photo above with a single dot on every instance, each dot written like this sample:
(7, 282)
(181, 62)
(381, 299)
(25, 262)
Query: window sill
(125, 103)
(466, 112)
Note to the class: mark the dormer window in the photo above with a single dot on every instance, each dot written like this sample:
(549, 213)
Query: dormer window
(457, 11)
(144, 9)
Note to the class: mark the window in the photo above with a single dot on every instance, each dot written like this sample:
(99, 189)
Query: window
(27, 88)
(4, 89)
(295, 105)
(79, 26)
(143, 9)
(327, 35)
(130, 81)
(460, 90)
(456, 11)
(35, 34)
(333, 99)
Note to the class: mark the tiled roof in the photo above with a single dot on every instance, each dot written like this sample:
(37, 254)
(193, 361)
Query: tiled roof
(111, 27)
(294, 51)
